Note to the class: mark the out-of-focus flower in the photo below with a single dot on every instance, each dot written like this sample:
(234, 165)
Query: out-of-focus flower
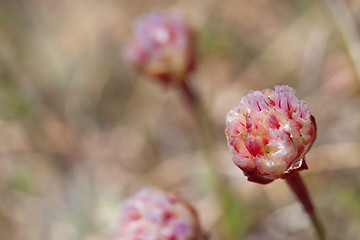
(162, 47)
(269, 134)
(153, 215)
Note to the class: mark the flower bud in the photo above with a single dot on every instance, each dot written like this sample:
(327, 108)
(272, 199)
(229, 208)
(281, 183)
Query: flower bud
(162, 47)
(154, 215)
(269, 134)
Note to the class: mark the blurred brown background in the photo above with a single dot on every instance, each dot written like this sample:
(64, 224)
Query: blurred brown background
(80, 131)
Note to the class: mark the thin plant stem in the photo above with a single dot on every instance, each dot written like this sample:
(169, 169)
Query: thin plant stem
(201, 117)
(206, 134)
(348, 29)
(189, 95)
(207, 140)
(298, 187)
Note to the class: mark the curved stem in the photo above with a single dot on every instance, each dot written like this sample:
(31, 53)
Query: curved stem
(201, 117)
(298, 187)
(189, 94)
(206, 138)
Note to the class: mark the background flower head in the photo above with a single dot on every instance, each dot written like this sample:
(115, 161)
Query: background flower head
(154, 215)
(269, 133)
(162, 47)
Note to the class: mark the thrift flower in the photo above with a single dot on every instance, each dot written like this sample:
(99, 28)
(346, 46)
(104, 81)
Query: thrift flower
(154, 215)
(162, 47)
(269, 134)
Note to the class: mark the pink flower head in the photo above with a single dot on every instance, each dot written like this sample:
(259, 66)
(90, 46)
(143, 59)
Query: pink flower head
(162, 47)
(269, 134)
(154, 215)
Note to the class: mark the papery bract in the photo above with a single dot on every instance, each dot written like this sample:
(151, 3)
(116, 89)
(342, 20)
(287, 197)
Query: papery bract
(162, 47)
(153, 215)
(269, 134)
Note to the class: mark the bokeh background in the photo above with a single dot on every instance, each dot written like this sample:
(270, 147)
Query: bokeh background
(80, 131)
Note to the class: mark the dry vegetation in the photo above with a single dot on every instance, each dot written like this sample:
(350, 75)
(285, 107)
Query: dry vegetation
(80, 131)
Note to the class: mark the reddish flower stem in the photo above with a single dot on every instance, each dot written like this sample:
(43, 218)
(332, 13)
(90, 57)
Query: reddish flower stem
(200, 114)
(298, 187)
(201, 117)
(189, 95)
(207, 140)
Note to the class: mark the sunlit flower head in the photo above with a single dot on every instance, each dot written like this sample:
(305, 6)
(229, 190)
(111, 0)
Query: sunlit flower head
(154, 215)
(269, 134)
(162, 47)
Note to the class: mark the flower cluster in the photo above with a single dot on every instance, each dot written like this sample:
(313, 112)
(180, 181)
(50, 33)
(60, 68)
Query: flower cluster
(154, 215)
(269, 134)
(162, 47)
